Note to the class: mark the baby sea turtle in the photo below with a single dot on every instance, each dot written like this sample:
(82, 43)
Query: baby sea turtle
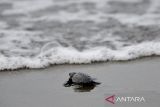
(80, 79)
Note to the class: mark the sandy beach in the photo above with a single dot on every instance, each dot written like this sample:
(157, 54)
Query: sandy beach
(44, 87)
(71, 35)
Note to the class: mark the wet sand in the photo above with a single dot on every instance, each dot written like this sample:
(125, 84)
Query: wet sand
(44, 87)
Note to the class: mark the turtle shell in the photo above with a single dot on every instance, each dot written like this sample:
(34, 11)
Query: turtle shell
(81, 78)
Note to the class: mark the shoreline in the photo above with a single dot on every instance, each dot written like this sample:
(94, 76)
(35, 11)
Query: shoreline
(92, 63)
(44, 87)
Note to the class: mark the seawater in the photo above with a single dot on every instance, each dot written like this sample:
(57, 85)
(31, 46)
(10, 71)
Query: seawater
(37, 33)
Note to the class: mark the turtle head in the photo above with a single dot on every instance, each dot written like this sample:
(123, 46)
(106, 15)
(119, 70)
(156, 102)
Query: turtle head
(71, 74)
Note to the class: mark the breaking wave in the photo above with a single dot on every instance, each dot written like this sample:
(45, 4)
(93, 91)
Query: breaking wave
(36, 33)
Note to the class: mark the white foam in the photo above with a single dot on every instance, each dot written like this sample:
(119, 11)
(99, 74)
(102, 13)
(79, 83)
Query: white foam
(20, 48)
(70, 55)
(3, 25)
(66, 16)
(154, 6)
(28, 6)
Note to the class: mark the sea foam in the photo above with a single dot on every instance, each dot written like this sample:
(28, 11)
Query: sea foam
(71, 56)
(36, 33)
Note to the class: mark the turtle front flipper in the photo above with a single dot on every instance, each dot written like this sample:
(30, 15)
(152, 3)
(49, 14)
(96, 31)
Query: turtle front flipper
(68, 83)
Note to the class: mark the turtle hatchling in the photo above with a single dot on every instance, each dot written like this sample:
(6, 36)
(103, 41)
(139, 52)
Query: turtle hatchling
(80, 79)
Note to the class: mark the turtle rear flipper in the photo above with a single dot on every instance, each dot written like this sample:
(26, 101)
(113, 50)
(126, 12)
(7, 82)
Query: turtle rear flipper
(96, 83)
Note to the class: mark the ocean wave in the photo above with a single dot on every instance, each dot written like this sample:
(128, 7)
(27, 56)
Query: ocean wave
(72, 56)
(36, 33)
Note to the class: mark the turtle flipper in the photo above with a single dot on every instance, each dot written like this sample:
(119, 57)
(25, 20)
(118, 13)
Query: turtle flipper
(68, 83)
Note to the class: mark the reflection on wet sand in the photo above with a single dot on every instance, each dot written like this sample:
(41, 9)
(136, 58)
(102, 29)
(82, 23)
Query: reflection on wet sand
(83, 88)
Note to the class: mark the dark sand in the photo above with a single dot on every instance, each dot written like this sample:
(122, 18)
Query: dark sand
(44, 87)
